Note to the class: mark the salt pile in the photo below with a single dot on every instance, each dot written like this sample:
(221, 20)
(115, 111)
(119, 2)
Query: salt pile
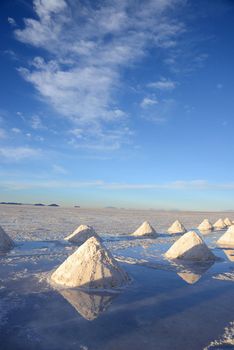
(81, 234)
(145, 230)
(220, 225)
(88, 305)
(190, 247)
(205, 225)
(227, 237)
(6, 242)
(227, 222)
(90, 266)
(177, 227)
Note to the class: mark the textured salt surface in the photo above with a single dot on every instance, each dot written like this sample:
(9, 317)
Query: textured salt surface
(169, 303)
(205, 225)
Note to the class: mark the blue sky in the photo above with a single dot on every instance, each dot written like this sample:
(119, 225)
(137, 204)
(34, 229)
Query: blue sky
(117, 103)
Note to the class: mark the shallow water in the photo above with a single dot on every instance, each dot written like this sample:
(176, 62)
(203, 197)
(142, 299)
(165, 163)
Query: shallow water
(168, 305)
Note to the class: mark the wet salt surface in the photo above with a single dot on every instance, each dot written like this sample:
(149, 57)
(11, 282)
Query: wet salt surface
(168, 305)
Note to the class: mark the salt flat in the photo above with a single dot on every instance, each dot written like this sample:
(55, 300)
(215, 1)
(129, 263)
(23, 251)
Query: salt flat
(168, 305)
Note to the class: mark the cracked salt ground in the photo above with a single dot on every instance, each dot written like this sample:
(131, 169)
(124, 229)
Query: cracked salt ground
(173, 304)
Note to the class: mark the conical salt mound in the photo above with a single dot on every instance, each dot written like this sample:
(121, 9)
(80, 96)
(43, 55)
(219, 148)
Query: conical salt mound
(227, 222)
(81, 234)
(89, 305)
(205, 225)
(228, 237)
(91, 266)
(190, 247)
(177, 227)
(220, 225)
(6, 242)
(145, 230)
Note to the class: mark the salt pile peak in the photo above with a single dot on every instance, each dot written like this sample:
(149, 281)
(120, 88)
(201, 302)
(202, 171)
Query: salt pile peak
(228, 237)
(220, 224)
(81, 234)
(145, 230)
(6, 242)
(177, 227)
(190, 247)
(90, 266)
(227, 222)
(205, 225)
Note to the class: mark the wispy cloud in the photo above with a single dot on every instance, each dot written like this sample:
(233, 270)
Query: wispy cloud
(163, 84)
(99, 184)
(147, 101)
(89, 46)
(3, 134)
(18, 154)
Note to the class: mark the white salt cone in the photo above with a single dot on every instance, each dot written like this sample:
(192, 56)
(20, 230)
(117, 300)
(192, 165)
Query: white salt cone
(220, 225)
(205, 225)
(90, 266)
(190, 247)
(227, 222)
(6, 242)
(228, 237)
(177, 227)
(81, 234)
(145, 230)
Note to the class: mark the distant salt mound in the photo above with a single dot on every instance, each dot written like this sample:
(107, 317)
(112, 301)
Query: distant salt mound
(220, 224)
(81, 234)
(145, 230)
(91, 266)
(177, 227)
(6, 243)
(88, 305)
(228, 237)
(190, 247)
(205, 225)
(227, 222)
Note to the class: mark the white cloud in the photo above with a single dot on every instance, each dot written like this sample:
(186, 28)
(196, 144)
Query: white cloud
(146, 102)
(89, 45)
(11, 21)
(58, 169)
(3, 134)
(16, 130)
(176, 185)
(163, 84)
(18, 153)
(36, 122)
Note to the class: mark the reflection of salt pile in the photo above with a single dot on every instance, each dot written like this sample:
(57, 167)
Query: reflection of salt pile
(205, 225)
(220, 225)
(81, 234)
(190, 247)
(227, 237)
(6, 242)
(89, 305)
(192, 272)
(229, 253)
(145, 230)
(177, 227)
(91, 266)
(227, 222)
